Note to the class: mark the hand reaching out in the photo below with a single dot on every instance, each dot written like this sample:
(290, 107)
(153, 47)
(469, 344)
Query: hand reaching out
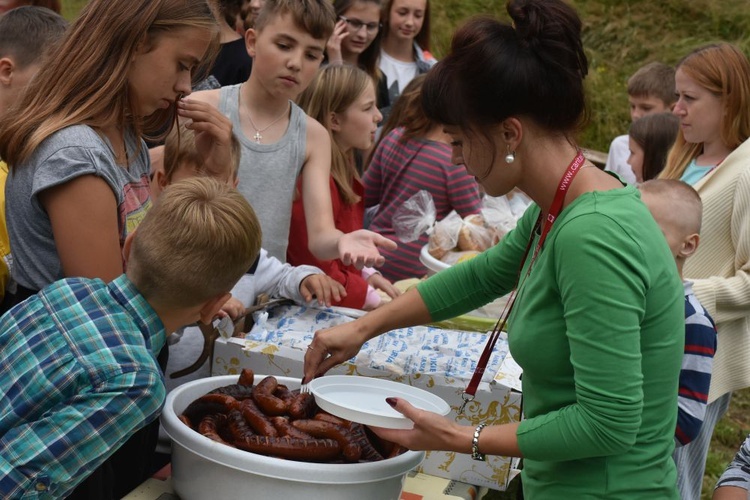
(232, 308)
(360, 248)
(380, 282)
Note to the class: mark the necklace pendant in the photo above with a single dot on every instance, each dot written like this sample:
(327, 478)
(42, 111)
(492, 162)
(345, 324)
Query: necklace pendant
(257, 137)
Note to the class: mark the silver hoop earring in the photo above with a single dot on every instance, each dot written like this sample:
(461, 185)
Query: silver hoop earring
(510, 157)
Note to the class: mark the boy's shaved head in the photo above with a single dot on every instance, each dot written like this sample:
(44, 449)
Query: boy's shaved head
(316, 17)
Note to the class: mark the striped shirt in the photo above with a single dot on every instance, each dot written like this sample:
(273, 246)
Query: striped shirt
(78, 376)
(695, 374)
(397, 172)
(738, 472)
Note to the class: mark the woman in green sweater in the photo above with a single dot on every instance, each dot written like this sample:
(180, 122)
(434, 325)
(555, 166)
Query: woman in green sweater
(598, 322)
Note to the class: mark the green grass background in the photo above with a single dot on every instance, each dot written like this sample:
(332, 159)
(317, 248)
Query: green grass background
(619, 36)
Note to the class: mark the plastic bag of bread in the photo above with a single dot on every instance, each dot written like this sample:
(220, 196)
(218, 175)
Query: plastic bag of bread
(474, 235)
(502, 213)
(414, 217)
(444, 235)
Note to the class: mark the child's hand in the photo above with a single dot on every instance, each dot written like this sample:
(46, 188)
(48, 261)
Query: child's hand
(213, 135)
(360, 248)
(379, 282)
(323, 288)
(232, 308)
(333, 46)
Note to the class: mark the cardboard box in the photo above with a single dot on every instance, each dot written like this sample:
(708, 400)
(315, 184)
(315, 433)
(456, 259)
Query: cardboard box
(437, 360)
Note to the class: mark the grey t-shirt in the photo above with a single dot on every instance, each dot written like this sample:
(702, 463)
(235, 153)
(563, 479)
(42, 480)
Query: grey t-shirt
(68, 153)
(268, 172)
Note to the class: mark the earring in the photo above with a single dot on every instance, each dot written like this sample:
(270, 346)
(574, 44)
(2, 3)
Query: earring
(511, 156)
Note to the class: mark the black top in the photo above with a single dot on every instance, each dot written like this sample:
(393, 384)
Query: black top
(233, 64)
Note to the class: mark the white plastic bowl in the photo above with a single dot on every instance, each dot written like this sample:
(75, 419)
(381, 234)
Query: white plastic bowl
(202, 468)
(431, 263)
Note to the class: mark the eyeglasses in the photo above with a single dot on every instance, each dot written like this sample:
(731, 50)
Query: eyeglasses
(356, 25)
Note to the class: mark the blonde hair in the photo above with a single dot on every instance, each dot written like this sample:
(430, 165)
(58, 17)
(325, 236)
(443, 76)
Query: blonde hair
(723, 70)
(333, 90)
(85, 80)
(316, 17)
(674, 203)
(179, 150)
(194, 244)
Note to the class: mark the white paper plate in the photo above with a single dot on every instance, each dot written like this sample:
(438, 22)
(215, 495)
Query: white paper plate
(362, 399)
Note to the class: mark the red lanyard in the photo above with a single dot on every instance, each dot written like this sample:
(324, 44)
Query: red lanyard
(554, 211)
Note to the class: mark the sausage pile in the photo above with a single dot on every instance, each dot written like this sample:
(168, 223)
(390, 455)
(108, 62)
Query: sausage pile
(269, 419)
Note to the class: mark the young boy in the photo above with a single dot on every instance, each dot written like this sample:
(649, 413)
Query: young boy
(268, 275)
(678, 210)
(25, 34)
(650, 90)
(279, 142)
(79, 375)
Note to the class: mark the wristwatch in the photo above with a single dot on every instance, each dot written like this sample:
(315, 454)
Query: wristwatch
(475, 455)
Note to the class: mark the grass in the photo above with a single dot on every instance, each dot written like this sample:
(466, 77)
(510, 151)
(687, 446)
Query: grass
(619, 36)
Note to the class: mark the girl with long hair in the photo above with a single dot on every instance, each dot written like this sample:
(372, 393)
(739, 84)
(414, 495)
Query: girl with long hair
(598, 317)
(712, 153)
(414, 154)
(342, 98)
(356, 36)
(650, 139)
(79, 168)
(405, 45)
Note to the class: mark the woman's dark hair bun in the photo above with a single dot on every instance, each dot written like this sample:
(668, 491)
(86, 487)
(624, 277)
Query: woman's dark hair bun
(552, 26)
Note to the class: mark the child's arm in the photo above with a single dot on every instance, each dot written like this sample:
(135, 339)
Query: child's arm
(213, 135)
(359, 248)
(322, 288)
(83, 216)
(333, 46)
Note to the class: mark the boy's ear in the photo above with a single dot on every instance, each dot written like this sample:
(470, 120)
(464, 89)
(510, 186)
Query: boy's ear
(333, 119)
(689, 246)
(6, 71)
(128, 244)
(212, 306)
(251, 37)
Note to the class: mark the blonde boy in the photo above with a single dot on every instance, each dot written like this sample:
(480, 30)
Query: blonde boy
(678, 210)
(79, 375)
(279, 142)
(650, 91)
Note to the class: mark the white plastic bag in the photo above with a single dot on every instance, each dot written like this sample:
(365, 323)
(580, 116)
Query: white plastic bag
(415, 217)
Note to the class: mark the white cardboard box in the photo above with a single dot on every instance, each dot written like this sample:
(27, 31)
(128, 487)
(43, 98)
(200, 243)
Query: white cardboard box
(440, 361)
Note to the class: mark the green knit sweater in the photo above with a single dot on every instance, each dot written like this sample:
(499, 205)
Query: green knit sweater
(598, 328)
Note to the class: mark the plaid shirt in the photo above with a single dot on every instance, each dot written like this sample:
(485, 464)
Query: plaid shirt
(78, 376)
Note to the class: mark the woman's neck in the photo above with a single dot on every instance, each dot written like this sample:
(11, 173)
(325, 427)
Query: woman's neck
(350, 58)
(544, 166)
(227, 33)
(713, 153)
(399, 48)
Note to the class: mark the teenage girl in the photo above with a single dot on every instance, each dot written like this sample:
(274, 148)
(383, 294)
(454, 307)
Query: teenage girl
(79, 180)
(712, 153)
(650, 139)
(342, 98)
(414, 154)
(356, 36)
(405, 44)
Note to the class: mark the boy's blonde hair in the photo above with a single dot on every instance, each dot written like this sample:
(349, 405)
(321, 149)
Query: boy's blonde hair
(194, 244)
(179, 149)
(316, 17)
(655, 79)
(333, 90)
(675, 203)
(724, 70)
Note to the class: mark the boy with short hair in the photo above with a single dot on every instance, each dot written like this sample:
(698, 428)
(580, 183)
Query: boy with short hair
(650, 90)
(268, 275)
(678, 210)
(25, 34)
(78, 374)
(279, 141)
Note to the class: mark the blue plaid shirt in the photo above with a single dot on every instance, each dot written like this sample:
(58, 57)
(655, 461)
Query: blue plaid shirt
(78, 376)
